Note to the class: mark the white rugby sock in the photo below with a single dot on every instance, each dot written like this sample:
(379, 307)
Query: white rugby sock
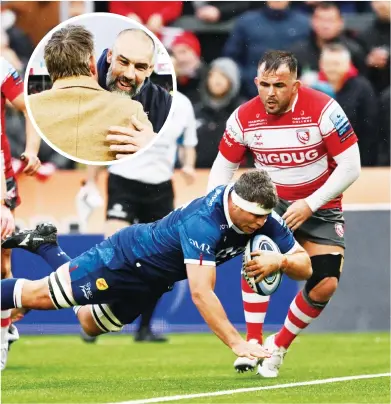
(5, 323)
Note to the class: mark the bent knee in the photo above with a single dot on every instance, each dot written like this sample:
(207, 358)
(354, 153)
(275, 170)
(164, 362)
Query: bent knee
(87, 322)
(324, 290)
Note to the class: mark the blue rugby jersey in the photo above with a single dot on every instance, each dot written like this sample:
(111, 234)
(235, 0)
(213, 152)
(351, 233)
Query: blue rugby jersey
(200, 232)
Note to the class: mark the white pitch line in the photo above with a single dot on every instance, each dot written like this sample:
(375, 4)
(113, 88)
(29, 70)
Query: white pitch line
(249, 389)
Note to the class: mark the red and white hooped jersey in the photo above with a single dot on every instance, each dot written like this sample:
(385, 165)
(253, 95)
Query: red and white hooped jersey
(296, 148)
(11, 87)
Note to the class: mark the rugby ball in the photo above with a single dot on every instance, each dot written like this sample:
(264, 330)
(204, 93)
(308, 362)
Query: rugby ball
(271, 283)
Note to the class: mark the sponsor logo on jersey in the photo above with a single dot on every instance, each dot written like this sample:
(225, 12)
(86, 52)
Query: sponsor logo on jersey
(203, 247)
(101, 284)
(340, 122)
(16, 77)
(301, 119)
(339, 229)
(303, 135)
(257, 139)
(224, 226)
(228, 253)
(288, 158)
(214, 197)
(86, 289)
(226, 141)
(231, 131)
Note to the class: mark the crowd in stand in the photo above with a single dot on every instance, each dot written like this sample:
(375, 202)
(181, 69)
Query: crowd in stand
(216, 68)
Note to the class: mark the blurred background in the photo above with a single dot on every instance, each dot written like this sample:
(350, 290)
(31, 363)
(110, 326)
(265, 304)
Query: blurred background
(198, 34)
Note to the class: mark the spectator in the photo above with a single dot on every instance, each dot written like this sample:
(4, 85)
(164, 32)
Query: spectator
(327, 26)
(190, 69)
(275, 26)
(376, 42)
(219, 98)
(384, 128)
(153, 14)
(355, 95)
(218, 11)
(16, 46)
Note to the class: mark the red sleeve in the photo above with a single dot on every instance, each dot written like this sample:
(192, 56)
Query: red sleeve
(12, 86)
(336, 145)
(171, 11)
(121, 7)
(232, 145)
(231, 149)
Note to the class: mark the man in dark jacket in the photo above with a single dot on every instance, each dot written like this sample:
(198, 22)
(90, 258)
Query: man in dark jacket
(327, 27)
(275, 26)
(376, 42)
(355, 95)
(155, 100)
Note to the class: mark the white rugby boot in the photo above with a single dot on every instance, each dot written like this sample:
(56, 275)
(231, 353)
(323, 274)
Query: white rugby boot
(270, 366)
(242, 365)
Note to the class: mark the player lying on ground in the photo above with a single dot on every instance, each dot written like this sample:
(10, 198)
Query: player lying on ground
(110, 284)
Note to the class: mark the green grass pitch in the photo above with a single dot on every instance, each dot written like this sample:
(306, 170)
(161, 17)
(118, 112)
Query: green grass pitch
(63, 369)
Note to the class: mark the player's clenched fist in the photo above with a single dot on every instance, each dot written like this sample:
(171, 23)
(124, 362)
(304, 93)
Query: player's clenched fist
(251, 351)
(297, 214)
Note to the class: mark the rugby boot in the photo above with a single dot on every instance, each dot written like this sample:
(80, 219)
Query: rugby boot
(31, 240)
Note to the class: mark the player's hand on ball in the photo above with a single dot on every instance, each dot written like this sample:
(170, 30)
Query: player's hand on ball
(297, 214)
(32, 163)
(250, 351)
(263, 264)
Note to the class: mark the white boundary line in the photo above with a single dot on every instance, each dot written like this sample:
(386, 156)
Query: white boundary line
(365, 206)
(249, 389)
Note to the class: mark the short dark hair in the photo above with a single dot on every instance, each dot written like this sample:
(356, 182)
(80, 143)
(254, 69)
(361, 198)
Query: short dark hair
(273, 59)
(257, 186)
(326, 5)
(68, 52)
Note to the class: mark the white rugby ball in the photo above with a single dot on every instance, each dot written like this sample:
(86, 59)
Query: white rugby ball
(271, 283)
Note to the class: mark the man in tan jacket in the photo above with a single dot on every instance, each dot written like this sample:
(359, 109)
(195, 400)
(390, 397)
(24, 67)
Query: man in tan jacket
(76, 113)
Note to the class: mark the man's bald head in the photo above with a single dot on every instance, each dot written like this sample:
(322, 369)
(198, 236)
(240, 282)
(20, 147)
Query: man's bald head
(132, 35)
(131, 61)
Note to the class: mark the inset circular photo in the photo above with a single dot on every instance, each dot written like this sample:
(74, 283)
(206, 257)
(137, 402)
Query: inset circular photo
(98, 88)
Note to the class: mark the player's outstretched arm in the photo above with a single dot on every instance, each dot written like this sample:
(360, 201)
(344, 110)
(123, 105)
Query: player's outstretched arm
(297, 265)
(201, 281)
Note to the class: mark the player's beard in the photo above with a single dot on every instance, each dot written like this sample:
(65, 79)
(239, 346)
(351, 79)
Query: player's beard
(111, 84)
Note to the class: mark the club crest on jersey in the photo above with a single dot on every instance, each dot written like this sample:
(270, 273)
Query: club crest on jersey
(303, 135)
(339, 229)
(101, 284)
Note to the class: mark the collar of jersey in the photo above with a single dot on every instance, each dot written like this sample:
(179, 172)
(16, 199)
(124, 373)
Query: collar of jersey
(227, 191)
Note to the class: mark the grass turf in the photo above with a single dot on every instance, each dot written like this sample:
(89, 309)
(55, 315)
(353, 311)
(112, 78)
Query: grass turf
(63, 369)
